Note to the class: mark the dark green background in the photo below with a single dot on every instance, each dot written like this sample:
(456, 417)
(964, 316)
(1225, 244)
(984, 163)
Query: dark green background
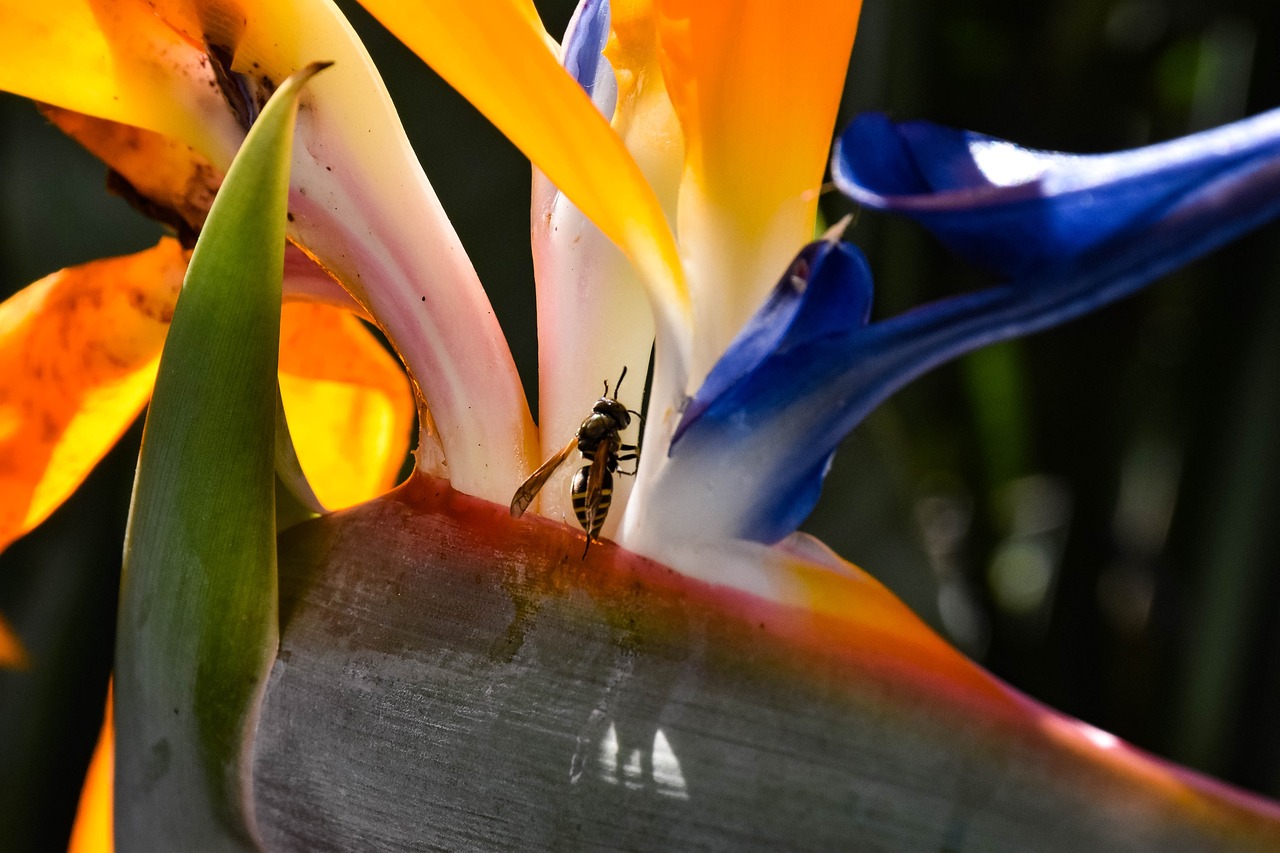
(1090, 512)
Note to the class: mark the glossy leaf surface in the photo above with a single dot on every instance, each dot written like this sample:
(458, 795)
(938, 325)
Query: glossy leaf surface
(477, 683)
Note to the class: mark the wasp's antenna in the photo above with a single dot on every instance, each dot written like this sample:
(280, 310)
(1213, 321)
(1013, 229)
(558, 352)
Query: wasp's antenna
(618, 386)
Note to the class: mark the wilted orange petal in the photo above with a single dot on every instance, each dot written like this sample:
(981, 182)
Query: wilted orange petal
(348, 402)
(168, 179)
(79, 351)
(495, 53)
(93, 827)
(117, 60)
(12, 655)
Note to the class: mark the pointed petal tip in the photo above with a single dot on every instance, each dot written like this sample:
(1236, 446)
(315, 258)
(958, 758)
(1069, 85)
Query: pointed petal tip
(497, 58)
(314, 68)
(826, 291)
(835, 233)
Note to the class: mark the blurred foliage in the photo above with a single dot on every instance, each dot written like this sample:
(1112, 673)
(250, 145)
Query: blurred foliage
(1087, 512)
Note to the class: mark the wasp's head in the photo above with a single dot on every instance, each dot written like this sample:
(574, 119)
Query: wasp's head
(614, 409)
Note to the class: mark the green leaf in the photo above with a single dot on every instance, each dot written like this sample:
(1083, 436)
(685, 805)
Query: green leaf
(295, 500)
(198, 611)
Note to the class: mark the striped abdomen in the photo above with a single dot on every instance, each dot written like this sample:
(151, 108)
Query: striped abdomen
(582, 502)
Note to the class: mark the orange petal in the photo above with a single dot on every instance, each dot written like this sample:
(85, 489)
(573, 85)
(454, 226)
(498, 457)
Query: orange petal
(116, 59)
(756, 87)
(495, 53)
(92, 830)
(348, 402)
(80, 349)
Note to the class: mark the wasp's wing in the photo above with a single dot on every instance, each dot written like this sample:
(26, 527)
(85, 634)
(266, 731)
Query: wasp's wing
(529, 488)
(595, 477)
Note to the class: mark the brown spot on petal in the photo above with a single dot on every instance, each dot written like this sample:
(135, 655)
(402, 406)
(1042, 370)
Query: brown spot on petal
(78, 354)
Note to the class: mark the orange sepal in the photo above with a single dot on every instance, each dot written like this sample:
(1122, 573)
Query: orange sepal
(756, 87)
(348, 402)
(80, 349)
(92, 831)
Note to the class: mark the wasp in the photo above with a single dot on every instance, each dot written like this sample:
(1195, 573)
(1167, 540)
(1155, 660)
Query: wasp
(599, 442)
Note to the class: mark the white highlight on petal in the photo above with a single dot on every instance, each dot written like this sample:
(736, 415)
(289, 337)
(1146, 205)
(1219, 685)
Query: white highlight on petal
(1006, 165)
(1068, 729)
(1099, 738)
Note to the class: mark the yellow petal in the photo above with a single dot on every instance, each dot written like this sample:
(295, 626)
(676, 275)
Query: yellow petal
(92, 830)
(495, 53)
(12, 655)
(348, 402)
(79, 350)
(118, 60)
(756, 86)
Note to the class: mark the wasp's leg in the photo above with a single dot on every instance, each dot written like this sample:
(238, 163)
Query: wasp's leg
(629, 457)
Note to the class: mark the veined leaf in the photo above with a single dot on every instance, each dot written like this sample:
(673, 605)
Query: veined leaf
(198, 612)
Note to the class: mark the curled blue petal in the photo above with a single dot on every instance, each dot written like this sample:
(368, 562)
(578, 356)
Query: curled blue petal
(1021, 212)
(823, 298)
(825, 292)
(756, 439)
(582, 54)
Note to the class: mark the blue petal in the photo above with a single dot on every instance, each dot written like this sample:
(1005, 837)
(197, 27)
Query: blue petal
(760, 432)
(825, 292)
(582, 54)
(783, 354)
(1021, 212)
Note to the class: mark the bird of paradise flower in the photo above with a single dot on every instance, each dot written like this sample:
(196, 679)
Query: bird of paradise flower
(763, 352)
